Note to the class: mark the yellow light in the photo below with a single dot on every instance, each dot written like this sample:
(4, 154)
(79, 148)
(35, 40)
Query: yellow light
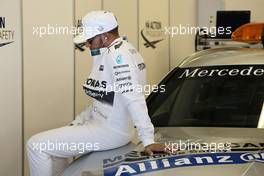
(249, 33)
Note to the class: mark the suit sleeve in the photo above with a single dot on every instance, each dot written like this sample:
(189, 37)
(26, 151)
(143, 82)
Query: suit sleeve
(126, 82)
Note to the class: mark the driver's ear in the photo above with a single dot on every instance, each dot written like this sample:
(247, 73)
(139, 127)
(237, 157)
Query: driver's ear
(105, 38)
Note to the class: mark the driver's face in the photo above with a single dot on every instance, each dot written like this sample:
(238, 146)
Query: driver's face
(94, 43)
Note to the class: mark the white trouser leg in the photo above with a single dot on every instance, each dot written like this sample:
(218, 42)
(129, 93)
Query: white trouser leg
(46, 148)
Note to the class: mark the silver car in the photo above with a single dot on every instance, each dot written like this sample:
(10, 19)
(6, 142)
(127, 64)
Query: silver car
(211, 114)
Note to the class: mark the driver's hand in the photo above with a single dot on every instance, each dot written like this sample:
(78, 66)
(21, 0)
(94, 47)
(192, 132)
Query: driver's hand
(156, 147)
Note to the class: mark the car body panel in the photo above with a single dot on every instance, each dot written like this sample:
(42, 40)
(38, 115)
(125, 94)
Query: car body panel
(243, 141)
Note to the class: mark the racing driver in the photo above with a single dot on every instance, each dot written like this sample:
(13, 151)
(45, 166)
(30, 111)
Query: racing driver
(117, 109)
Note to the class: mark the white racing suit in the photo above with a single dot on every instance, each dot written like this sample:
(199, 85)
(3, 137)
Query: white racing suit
(115, 84)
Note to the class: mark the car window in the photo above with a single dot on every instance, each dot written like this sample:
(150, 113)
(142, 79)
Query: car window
(232, 100)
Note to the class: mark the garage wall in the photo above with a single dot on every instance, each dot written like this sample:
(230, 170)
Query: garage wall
(48, 67)
(11, 89)
(126, 12)
(156, 59)
(182, 12)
